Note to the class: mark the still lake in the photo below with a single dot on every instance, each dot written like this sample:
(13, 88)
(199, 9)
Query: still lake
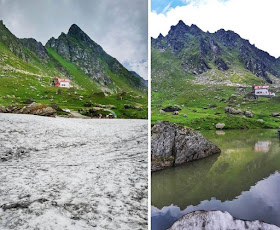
(243, 180)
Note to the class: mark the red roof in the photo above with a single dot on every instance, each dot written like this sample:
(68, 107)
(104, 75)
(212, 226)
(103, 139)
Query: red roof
(261, 87)
(62, 79)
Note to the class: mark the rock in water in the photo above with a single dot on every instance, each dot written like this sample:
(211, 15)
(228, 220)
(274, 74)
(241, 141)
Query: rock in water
(220, 126)
(179, 144)
(217, 220)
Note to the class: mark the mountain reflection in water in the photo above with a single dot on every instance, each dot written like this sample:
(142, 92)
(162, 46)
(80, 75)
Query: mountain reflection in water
(243, 180)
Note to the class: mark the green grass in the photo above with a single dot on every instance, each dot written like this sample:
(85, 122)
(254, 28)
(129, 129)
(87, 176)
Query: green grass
(22, 80)
(78, 76)
(172, 86)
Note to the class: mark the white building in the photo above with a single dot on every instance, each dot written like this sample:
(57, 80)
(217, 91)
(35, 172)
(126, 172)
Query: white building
(262, 91)
(63, 83)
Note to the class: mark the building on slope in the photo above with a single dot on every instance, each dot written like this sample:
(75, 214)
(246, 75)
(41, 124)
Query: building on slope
(62, 82)
(262, 91)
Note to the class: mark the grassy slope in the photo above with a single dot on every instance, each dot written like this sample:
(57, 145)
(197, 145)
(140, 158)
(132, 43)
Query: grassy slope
(20, 80)
(170, 86)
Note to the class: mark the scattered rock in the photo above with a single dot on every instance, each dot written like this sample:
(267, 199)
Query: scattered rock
(185, 115)
(233, 111)
(88, 104)
(260, 120)
(29, 101)
(171, 109)
(249, 114)
(127, 106)
(33, 108)
(275, 114)
(212, 106)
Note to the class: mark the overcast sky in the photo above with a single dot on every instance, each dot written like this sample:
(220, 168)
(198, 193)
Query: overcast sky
(255, 20)
(119, 26)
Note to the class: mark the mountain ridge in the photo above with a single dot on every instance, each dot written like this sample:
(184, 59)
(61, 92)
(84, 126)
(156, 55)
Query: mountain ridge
(215, 45)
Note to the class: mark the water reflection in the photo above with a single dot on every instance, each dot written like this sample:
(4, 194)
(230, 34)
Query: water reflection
(261, 202)
(232, 181)
(262, 146)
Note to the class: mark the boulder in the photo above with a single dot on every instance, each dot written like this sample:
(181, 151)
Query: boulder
(275, 114)
(217, 220)
(220, 126)
(249, 114)
(28, 101)
(171, 109)
(181, 144)
(3, 109)
(233, 111)
(185, 115)
(175, 113)
(161, 111)
(128, 106)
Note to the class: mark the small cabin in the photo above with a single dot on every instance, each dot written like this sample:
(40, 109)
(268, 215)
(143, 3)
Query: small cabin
(262, 91)
(61, 82)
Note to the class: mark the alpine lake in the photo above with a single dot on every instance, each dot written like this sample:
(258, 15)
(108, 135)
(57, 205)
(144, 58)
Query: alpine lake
(243, 180)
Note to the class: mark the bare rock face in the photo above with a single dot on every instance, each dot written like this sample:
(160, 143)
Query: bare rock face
(174, 145)
(217, 220)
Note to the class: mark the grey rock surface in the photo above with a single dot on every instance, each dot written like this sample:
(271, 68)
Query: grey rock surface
(217, 220)
(182, 144)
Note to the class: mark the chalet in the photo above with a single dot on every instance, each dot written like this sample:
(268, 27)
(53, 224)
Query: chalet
(61, 82)
(262, 91)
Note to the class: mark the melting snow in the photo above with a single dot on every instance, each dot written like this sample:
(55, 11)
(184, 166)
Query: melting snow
(59, 173)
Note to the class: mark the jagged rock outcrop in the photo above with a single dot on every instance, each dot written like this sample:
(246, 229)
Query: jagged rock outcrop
(221, 65)
(217, 220)
(36, 47)
(175, 145)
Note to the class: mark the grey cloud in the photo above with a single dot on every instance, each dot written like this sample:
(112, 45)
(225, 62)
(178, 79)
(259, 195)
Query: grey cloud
(119, 26)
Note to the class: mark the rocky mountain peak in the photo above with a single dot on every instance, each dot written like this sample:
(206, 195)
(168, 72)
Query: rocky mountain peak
(76, 32)
(180, 28)
(160, 36)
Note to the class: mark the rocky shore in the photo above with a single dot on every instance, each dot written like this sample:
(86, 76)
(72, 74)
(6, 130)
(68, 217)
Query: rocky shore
(174, 145)
(33, 108)
(217, 220)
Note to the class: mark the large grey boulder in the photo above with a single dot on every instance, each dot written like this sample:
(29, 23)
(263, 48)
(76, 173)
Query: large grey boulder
(217, 220)
(233, 111)
(171, 142)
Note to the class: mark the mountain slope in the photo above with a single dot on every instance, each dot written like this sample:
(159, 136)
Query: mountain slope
(204, 72)
(27, 69)
(78, 48)
(200, 52)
